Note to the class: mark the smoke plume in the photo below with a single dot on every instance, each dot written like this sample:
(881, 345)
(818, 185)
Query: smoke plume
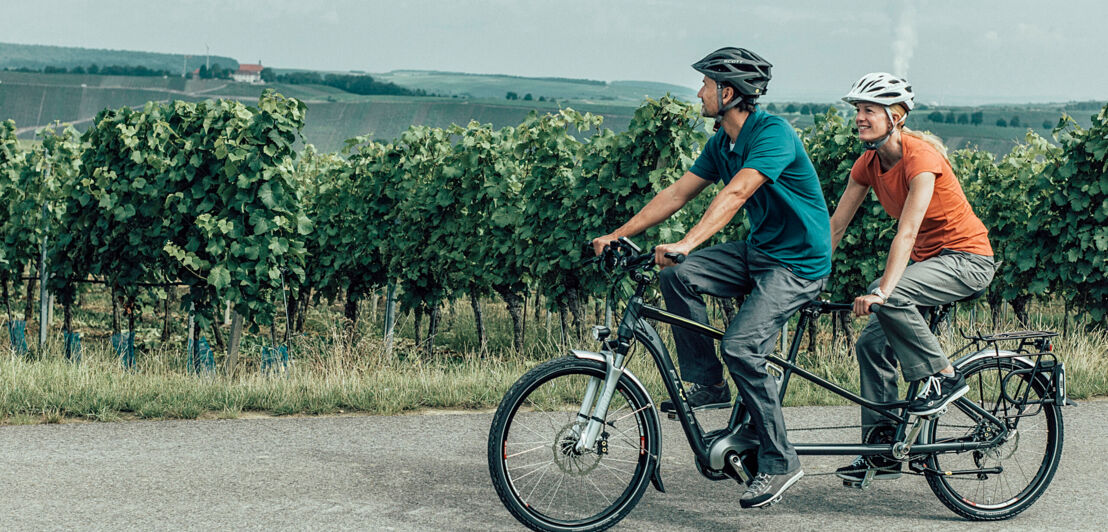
(904, 40)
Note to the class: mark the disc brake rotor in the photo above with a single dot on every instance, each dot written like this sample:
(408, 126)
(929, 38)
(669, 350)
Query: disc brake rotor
(569, 460)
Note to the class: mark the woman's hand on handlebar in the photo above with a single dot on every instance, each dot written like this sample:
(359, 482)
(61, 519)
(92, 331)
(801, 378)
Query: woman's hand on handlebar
(667, 255)
(863, 305)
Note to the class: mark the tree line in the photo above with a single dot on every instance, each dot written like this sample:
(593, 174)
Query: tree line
(353, 83)
(213, 196)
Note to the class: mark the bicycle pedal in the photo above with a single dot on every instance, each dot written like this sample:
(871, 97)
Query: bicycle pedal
(861, 484)
(671, 415)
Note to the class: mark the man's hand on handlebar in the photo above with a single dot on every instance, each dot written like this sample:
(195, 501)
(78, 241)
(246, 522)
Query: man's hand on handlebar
(661, 252)
(600, 242)
(863, 304)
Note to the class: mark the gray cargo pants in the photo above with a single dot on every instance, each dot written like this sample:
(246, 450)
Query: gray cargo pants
(773, 294)
(898, 334)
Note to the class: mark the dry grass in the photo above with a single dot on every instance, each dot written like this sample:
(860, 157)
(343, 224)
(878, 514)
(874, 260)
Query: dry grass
(331, 374)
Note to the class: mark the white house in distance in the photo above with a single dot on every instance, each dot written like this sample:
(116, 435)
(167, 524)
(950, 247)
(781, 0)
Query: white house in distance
(248, 73)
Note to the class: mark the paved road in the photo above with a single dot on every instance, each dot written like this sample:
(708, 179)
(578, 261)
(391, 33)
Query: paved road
(428, 472)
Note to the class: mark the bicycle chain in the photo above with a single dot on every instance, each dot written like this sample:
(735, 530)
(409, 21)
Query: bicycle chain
(840, 427)
(879, 469)
(863, 470)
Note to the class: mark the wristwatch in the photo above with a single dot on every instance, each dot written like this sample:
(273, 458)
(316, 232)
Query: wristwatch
(877, 292)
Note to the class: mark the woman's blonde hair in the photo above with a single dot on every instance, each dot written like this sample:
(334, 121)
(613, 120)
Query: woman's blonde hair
(932, 140)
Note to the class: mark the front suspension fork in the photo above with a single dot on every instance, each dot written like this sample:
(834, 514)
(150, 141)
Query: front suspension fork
(594, 420)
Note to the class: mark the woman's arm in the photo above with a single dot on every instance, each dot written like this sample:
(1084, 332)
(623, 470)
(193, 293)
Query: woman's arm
(920, 189)
(851, 199)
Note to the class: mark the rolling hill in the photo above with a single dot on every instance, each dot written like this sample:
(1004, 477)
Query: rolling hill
(36, 57)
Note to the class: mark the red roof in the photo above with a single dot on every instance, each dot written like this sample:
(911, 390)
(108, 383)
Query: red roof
(250, 69)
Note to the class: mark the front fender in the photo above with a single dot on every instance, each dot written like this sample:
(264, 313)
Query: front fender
(651, 412)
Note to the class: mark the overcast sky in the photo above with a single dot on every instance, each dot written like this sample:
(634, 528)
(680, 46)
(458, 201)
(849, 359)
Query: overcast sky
(953, 51)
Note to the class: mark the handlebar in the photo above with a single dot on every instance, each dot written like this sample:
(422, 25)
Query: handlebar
(624, 254)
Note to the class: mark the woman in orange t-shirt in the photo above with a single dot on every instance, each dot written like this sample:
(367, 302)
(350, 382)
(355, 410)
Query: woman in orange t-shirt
(937, 229)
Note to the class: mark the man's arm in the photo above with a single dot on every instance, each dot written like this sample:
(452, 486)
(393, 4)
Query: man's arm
(661, 207)
(719, 213)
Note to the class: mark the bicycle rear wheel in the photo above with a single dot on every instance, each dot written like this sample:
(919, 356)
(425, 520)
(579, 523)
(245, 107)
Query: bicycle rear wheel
(1027, 458)
(540, 477)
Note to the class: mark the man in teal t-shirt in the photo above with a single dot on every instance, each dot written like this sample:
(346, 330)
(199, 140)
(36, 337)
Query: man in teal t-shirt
(780, 267)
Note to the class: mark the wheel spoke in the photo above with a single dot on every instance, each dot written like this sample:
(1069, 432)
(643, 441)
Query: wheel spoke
(1017, 485)
(559, 485)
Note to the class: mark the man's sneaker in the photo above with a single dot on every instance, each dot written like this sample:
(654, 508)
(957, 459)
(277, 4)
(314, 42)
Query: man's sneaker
(702, 397)
(883, 469)
(936, 392)
(765, 488)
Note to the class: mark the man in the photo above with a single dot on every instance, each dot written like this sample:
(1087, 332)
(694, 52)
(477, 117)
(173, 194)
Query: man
(781, 266)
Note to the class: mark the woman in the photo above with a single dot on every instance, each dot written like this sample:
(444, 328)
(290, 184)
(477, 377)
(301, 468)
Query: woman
(951, 258)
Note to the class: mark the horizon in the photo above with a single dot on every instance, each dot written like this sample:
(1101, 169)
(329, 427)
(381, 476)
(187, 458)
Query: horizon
(953, 53)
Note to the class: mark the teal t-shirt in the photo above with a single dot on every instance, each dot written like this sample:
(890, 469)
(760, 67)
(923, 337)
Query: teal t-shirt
(788, 215)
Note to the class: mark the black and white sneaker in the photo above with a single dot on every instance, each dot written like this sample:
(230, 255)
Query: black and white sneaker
(765, 488)
(883, 469)
(702, 397)
(936, 392)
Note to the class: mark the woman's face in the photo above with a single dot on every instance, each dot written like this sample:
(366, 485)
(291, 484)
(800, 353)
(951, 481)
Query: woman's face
(872, 121)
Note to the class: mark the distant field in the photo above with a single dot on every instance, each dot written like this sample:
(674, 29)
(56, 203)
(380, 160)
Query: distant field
(988, 136)
(497, 86)
(34, 100)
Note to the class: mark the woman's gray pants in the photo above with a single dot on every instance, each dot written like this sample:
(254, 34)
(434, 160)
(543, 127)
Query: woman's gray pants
(898, 334)
(774, 293)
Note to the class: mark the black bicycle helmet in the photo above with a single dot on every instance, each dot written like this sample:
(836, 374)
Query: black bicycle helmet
(742, 69)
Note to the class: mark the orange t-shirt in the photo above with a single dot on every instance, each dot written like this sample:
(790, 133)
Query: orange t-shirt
(949, 221)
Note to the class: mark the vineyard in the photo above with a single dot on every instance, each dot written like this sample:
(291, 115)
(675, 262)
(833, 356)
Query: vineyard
(205, 209)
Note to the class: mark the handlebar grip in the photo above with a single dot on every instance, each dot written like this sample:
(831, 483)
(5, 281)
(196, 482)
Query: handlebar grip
(675, 257)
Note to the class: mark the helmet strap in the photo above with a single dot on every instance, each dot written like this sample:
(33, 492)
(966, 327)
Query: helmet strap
(730, 105)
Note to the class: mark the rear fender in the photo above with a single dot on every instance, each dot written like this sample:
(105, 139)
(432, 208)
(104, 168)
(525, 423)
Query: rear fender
(1052, 379)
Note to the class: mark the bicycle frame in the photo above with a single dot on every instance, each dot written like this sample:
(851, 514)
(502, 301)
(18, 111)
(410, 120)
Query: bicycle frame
(701, 442)
(711, 448)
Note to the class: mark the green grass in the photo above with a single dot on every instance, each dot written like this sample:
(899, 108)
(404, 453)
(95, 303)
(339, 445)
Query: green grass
(330, 374)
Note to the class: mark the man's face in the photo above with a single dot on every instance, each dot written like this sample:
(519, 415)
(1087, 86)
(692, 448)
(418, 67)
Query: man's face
(708, 101)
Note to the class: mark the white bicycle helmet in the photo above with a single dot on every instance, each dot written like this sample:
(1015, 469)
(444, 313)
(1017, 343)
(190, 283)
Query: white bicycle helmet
(883, 89)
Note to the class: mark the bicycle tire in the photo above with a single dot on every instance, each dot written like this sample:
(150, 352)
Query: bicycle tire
(531, 441)
(1028, 458)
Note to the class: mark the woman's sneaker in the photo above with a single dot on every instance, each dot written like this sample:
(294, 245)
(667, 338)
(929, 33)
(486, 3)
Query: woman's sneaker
(883, 469)
(936, 392)
(702, 397)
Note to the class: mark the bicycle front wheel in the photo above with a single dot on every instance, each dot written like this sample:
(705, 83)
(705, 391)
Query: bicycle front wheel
(1022, 466)
(540, 476)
